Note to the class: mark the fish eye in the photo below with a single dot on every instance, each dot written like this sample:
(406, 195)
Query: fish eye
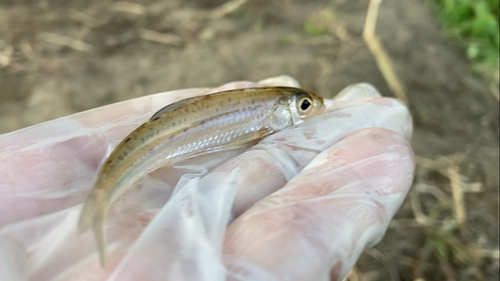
(305, 104)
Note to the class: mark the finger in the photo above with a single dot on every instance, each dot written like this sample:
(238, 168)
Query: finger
(317, 225)
(357, 91)
(278, 158)
(282, 80)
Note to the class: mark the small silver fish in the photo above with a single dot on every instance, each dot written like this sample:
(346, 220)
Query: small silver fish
(191, 127)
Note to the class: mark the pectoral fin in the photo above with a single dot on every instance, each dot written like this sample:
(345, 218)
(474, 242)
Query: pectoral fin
(243, 143)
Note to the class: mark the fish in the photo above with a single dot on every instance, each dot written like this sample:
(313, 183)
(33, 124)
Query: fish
(188, 128)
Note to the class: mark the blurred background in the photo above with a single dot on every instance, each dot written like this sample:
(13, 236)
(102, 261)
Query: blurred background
(59, 57)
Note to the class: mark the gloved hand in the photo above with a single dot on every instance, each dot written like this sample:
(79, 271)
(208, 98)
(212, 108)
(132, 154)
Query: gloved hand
(302, 204)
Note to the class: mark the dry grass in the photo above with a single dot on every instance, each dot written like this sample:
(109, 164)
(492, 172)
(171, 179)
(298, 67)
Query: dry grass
(384, 61)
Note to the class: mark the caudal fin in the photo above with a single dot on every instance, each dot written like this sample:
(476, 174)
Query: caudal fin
(93, 215)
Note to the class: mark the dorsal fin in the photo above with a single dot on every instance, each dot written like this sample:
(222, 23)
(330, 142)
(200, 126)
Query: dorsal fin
(173, 106)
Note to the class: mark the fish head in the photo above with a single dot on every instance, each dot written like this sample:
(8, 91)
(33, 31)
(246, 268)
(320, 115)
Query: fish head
(305, 105)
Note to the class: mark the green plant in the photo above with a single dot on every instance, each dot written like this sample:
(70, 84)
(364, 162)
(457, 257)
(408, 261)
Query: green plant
(475, 22)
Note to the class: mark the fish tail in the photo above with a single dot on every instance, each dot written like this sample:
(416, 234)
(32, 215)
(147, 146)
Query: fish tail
(93, 216)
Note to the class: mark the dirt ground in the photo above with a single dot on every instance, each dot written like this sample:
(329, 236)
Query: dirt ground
(60, 57)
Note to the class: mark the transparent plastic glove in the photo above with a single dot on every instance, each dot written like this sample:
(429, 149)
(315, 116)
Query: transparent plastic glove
(301, 205)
